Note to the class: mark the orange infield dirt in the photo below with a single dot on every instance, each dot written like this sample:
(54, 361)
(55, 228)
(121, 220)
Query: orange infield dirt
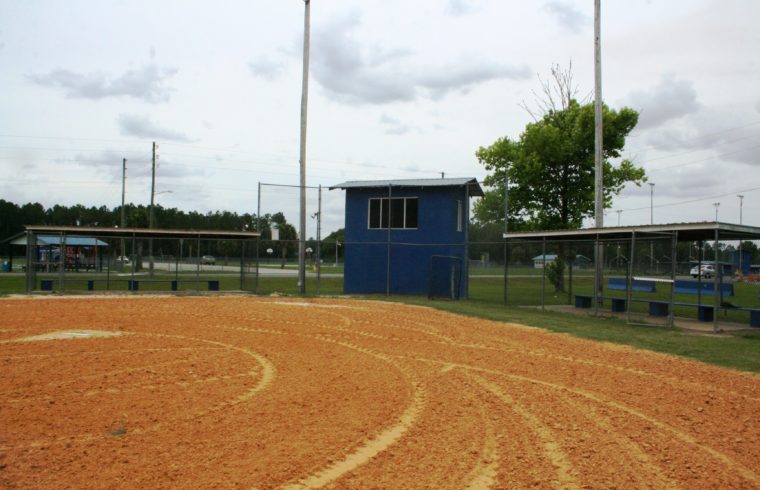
(269, 393)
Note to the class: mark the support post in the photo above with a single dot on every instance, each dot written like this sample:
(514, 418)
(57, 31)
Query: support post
(629, 279)
(543, 272)
(388, 244)
(673, 266)
(716, 277)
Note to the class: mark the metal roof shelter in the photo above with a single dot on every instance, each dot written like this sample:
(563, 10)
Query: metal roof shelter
(696, 232)
(72, 241)
(88, 235)
(79, 231)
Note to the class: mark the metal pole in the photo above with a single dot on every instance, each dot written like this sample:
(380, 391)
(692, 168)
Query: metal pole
(543, 271)
(62, 263)
(629, 279)
(651, 222)
(716, 275)
(319, 239)
(506, 228)
(31, 266)
(673, 254)
(304, 104)
(123, 212)
(258, 241)
(388, 244)
(741, 261)
(150, 217)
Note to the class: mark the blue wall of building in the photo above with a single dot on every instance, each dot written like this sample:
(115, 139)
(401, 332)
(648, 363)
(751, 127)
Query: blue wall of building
(367, 250)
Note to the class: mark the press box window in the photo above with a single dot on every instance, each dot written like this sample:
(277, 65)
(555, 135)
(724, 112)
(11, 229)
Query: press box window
(402, 212)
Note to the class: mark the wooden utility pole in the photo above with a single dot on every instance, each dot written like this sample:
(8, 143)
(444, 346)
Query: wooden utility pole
(598, 146)
(304, 104)
(598, 165)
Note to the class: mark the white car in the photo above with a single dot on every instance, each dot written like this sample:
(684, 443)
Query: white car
(208, 260)
(707, 271)
(122, 260)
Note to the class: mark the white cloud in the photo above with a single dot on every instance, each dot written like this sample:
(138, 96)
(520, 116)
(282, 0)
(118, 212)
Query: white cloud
(147, 83)
(142, 127)
(567, 16)
(353, 74)
(266, 68)
(393, 126)
(670, 99)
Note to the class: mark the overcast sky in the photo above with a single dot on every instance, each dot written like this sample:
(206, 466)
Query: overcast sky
(398, 89)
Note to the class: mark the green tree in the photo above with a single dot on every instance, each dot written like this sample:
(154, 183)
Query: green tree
(551, 168)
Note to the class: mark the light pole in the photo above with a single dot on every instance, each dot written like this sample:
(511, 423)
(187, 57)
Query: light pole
(337, 244)
(619, 212)
(741, 202)
(716, 204)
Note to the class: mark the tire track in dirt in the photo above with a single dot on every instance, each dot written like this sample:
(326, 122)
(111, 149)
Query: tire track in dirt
(265, 377)
(746, 473)
(370, 448)
(566, 474)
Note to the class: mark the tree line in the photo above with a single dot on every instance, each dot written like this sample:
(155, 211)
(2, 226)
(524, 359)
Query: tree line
(13, 218)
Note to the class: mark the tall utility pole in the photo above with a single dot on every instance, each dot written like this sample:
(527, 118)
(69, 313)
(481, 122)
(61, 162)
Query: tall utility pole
(716, 204)
(598, 145)
(152, 196)
(619, 212)
(304, 104)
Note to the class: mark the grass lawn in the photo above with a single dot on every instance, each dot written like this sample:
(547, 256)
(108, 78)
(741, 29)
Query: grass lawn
(739, 351)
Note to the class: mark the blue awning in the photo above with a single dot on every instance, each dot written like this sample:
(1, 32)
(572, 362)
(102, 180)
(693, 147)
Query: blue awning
(71, 241)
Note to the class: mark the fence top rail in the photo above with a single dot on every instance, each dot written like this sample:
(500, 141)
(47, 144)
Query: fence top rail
(141, 232)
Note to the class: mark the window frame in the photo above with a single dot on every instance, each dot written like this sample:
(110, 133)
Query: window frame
(384, 208)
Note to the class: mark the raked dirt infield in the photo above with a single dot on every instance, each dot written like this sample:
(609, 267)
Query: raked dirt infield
(208, 392)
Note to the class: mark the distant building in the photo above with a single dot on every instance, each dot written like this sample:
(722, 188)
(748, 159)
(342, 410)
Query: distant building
(394, 228)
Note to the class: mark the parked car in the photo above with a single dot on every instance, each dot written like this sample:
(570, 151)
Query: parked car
(208, 260)
(122, 259)
(708, 271)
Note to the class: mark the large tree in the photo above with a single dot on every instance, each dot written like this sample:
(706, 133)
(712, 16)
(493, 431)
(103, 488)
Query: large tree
(551, 168)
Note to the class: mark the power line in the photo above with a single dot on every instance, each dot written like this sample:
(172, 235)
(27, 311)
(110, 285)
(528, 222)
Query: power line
(694, 162)
(690, 201)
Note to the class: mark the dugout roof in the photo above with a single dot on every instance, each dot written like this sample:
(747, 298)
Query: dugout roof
(686, 232)
(94, 231)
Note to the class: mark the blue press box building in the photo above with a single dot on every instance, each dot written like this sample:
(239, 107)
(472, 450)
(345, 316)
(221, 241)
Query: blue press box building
(427, 217)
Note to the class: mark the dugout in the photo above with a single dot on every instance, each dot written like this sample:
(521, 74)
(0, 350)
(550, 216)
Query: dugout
(407, 236)
(155, 259)
(650, 265)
